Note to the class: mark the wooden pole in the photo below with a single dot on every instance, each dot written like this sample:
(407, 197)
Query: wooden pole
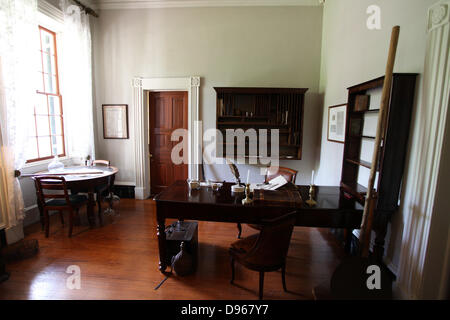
(371, 197)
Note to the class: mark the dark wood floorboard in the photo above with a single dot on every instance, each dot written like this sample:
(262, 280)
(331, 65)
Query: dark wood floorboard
(119, 260)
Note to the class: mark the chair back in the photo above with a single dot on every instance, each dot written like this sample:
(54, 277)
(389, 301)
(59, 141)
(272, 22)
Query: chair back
(50, 187)
(108, 164)
(287, 173)
(273, 242)
(101, 162)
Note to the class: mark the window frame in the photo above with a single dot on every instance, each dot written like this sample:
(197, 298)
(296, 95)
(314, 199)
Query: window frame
(47, 95)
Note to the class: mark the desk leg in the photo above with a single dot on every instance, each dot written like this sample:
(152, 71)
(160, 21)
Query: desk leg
(90, 209)
(161, 232)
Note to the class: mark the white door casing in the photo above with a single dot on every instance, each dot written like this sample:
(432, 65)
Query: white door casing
(141, 129)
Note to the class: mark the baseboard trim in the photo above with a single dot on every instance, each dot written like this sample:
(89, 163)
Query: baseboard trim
(141, 193)
(124, 183)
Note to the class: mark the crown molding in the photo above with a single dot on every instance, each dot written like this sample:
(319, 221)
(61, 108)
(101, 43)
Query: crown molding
(50, 10)
(146, 4)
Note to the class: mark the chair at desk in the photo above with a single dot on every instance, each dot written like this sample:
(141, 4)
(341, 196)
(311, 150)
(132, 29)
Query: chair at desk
(272, 173)
(60, 199)
(100, 190)
(265, 251)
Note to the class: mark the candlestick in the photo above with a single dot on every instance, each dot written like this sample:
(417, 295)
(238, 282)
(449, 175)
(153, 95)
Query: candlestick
(312, 178)
(312, 194)
(247, 199)
(248, 176)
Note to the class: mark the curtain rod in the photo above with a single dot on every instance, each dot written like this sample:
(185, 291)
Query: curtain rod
(86, 9)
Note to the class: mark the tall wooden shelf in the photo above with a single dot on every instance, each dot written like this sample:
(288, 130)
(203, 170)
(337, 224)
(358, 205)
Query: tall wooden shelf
(263, 108)
(393, 151)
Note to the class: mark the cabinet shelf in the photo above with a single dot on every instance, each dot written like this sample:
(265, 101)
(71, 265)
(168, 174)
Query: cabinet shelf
(392, 154)
(244, 118)
(248, 123)
(272, 108)
(365, 111)
(356, 190)
(360, 163)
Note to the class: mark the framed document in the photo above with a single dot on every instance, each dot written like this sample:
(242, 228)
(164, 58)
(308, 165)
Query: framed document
(337, 117)
(115, 121)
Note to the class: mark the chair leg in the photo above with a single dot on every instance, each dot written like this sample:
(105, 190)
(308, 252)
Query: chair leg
(41, 216)
(283, 277)
(62, 217)
(71, 221)
(239, 226)
(261, 284)
(47, 223)
(99, 203)
(100, 218)
(232, 270)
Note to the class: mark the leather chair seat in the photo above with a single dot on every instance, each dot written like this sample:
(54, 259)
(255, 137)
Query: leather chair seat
(243, 246)
(75, 199)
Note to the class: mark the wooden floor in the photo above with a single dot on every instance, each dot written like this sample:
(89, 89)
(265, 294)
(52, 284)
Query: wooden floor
(119, 261)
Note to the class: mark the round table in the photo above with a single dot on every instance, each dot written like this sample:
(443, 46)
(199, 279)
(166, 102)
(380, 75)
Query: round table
(85, 179)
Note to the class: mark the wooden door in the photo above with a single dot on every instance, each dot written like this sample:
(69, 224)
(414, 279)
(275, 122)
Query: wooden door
(168, 111)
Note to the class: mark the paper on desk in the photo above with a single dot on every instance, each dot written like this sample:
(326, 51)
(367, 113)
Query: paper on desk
(274, 184)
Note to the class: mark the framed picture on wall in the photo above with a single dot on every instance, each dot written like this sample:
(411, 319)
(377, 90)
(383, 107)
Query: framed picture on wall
(115, 121)
(337, 116)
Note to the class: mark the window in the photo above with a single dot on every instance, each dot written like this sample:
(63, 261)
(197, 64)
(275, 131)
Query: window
(47, 119)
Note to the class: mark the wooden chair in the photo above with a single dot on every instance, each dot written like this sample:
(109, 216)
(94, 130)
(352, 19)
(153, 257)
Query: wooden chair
(287, 173)
(271, 173)
(60, 199)
(106, 187)
(265, 251)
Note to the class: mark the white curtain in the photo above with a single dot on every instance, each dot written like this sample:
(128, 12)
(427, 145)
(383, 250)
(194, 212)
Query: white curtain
(76, 81)
(18, 72)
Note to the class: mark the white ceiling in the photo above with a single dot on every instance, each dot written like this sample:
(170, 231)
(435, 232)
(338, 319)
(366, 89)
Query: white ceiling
(138, 4)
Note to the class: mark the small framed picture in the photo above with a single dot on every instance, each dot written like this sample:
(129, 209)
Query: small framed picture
(337, 118)
(115, 121)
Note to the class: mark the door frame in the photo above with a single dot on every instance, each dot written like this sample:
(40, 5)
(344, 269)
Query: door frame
(141, 126)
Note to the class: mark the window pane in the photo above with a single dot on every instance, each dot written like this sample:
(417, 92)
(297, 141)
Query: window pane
(41, 104)
(46, 120)
(55, 125)
(54, 146)
(49, 63)
(44, 147)
(31, 150)
(47, 42)
(59, 145)
(42, 126)
(53, 105)
(50, 83)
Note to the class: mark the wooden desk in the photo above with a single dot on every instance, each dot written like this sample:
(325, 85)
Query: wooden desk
(179, 202)
(81, 181)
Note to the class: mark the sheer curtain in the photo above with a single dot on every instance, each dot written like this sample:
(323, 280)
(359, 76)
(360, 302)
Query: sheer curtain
(76, 81)
(18, 72)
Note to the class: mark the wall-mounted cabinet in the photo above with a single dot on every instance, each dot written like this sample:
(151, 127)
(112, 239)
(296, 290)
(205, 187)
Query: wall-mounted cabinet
(262, 108)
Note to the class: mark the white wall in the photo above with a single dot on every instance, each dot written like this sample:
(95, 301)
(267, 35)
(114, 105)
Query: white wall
(352, 54)
(242, 46)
